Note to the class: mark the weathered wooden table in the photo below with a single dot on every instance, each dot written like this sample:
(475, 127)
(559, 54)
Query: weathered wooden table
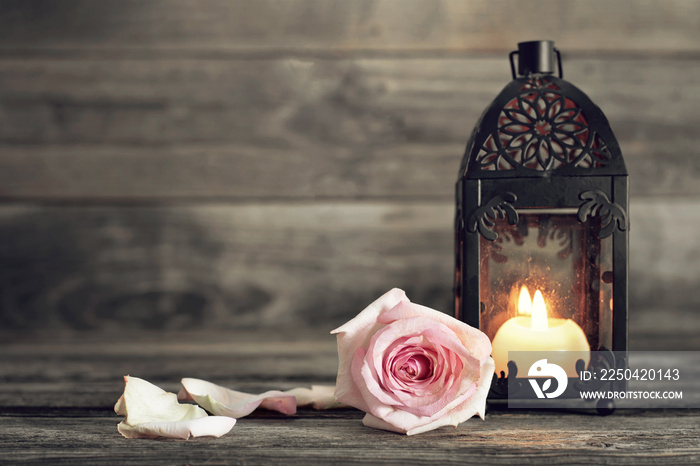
(57, 394)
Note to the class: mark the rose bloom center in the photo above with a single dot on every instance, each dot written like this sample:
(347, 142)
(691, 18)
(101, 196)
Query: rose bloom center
(415, 367)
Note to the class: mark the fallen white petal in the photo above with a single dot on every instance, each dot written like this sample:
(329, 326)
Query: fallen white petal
(222, 401)
(210, 426)
(318, 397)
(144, 402)
(152, 412)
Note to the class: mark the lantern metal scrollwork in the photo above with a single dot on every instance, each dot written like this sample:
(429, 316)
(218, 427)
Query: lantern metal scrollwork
(541, 207)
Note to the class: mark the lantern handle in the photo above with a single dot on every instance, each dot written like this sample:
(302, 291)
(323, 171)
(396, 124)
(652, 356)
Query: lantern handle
(515, 52)
(561, 70)
(512, 63)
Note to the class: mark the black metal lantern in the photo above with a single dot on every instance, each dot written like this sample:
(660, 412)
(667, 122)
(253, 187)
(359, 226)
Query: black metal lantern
(541, 221)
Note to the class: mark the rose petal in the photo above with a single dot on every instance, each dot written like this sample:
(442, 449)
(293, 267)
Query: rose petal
(152, 412)
(433, 335)
(224, 402)
(474, 340)
(376, 423)
(412, 368)
(210, 426)
(408, 420)
(144, 402)
(475, 405)
(356, 334)
(318, 396)
(378, 402)
(367, 319)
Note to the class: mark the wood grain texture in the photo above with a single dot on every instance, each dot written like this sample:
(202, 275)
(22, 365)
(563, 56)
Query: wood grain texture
(179, 165)
(67, 371)
(311, 128)
(310, 438)
(207, 188)
(56, 397)
(202, 266)
(82, 370)
(209, 265)
(120, 28)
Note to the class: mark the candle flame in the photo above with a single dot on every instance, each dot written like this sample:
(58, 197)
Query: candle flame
(524, 302)
(539, 312)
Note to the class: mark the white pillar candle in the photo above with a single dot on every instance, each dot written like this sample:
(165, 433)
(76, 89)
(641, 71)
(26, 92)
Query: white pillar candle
(538, 332)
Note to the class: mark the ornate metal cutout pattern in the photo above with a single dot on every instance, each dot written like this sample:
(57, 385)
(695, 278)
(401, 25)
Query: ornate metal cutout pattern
(504, 236)
(555, 232)
(611, 214)
(499, 382)
(549, 231)
(484, 218)
(542, 130)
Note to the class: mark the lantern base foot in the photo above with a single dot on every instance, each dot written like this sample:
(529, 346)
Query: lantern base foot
(605, 407)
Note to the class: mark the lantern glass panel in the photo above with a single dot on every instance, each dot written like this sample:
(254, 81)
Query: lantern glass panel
(553, 252)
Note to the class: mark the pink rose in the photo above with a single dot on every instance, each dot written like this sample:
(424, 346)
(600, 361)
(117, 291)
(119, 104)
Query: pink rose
(411, 368)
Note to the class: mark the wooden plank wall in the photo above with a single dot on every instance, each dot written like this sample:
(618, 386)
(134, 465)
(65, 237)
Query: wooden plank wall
(220, 164)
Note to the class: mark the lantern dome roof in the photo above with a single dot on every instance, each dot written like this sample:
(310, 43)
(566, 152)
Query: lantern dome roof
(542, 126)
